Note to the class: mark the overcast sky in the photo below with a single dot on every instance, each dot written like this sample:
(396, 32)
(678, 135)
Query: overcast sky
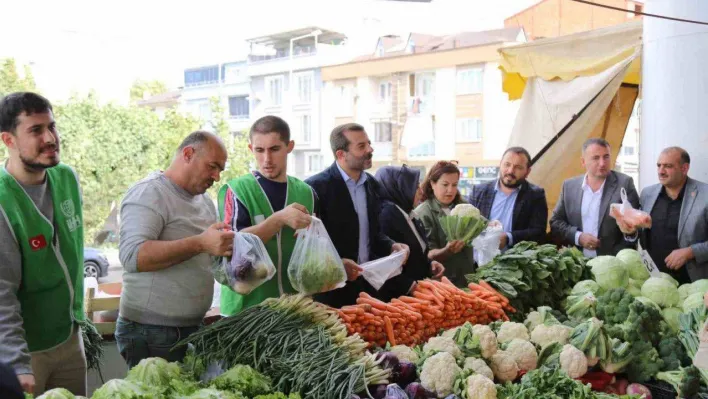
(86, 44)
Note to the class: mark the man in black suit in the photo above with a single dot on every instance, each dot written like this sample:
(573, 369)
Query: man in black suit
(519, 205)
(349, 209)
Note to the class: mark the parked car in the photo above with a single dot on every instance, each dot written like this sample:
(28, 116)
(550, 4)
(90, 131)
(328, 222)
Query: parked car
(95, 263)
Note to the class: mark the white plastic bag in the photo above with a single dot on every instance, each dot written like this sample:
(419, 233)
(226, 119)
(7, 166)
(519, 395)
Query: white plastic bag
(315, 265)
(486, 244)
(626, 213)
(248, 268)
(378, 271)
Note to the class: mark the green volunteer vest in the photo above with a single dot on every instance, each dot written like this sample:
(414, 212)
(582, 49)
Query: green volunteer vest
(52, 289)
(250, 193)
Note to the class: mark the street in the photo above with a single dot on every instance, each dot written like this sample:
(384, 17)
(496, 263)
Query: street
(115, 270)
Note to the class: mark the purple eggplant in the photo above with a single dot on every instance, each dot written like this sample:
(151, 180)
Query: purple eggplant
(404, 374)
(415, 390)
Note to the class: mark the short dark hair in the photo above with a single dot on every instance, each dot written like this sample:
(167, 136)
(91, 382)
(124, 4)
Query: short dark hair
(440, 168)
(595, 141)
(13, 105)
(195, 139)
(519, 151)
(337, 139)
(271, 124)
(685, 158)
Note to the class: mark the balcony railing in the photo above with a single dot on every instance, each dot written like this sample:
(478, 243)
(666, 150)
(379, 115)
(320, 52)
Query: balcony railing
(299, 51)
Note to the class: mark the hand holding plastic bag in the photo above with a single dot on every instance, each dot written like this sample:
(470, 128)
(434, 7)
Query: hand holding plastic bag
(249, 267)
(378, 271)
(627, 217)
(315, 265)
(486, 244)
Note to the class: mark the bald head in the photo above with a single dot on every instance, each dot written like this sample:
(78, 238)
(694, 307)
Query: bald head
(199, 161)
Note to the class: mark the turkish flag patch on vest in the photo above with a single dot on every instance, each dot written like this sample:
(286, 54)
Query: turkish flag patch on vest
(38, 242)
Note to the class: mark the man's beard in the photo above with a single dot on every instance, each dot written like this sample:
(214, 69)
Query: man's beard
(359, 164)
(33, 165)
(516, 184)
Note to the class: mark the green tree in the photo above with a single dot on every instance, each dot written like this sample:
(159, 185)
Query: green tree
(142, 87)
(11, 81)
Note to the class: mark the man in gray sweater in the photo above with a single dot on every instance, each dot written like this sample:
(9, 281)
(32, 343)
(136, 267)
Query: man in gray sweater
(168, 235)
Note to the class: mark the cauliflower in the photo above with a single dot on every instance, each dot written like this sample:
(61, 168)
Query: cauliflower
(533, 320)
(451, 332)
(439, 374)
(510, 330)
(480, 387)
(524, 354)
(504, 366)
(543, 335)
(573, 361)
(465, 210)
(479, 367)
(404, 353)
(487, 340)
(442, 344)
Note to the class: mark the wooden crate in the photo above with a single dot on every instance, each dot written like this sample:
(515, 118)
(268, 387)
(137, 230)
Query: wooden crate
(93, 304)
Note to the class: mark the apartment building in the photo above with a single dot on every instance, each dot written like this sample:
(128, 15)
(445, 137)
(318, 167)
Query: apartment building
(426, 98)
(229, 83)
(286, 80)
(551, 18)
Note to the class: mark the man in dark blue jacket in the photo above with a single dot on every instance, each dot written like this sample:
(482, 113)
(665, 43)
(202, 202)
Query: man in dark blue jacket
(519, 205)
(349, 209)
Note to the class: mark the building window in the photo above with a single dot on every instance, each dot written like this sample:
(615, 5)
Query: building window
(200, 109)
(238, 107)
(344, 100)
(201, 76)
(469, 81)
(304, 87)
(422, 150)
(385, 89)
(274, 88)
(380, 51)
(469, 130)
(313, 163)
(304, 126)
(629, 150)
(382, 132)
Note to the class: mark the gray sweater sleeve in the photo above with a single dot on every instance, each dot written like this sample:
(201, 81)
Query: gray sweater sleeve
(139, 222)
(13, 347)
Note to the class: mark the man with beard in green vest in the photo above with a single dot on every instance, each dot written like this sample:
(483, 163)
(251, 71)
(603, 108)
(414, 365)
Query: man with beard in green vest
(269, 204)
(41, 252)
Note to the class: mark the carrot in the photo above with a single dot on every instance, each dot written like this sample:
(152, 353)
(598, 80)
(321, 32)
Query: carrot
(447, 281)
(352, 310)
(492, 290)
(375, 303)
(389, 331)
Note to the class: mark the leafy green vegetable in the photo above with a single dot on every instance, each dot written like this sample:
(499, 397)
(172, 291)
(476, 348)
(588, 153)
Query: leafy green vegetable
(582, 306)
(279, 395)
(155, 372)
(684, 291)
(662, 291)
(463, 224)
(634, 264)
(670, 279)
(691, 323)
(211, 393)
(609, 272)
(533, 275)
(93, 345)
(585, 286)
(671, 316)
(620, 357)
(542, 383)
(124, 389)
(698, 286)
(693, 301)
(320, 271)
(57, 393)
(244, 379)
(591, 339)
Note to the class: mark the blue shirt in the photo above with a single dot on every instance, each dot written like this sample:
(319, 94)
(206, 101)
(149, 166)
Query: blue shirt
(503, 209)
(357, 191)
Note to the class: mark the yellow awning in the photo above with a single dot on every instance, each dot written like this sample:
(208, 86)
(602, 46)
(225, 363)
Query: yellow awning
(567, 57)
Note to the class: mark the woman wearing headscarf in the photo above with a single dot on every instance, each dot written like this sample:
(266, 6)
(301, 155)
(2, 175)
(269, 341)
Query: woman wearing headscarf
(400, 192)
(440, 195)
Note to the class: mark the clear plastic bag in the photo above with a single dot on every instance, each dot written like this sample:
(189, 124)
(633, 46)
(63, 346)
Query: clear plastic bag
(625, 213)
(486, 244)
(315, 265)
(378, 271)
(248, 268)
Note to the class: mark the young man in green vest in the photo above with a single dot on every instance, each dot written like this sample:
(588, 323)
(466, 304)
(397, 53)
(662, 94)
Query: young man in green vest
(269, 204)
(41, 252)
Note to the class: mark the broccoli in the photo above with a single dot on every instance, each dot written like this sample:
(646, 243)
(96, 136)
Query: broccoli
(644, 323)
(673, 353)
(613, 306)
(646, 363)
(690, 382)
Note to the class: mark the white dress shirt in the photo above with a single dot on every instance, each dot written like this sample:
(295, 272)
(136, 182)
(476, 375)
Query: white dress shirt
(590, 213)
